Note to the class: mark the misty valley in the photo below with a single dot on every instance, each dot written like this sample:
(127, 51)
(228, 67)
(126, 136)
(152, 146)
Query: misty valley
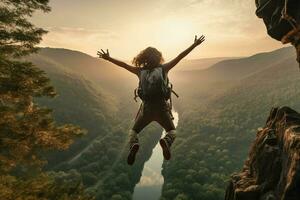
(220, 109)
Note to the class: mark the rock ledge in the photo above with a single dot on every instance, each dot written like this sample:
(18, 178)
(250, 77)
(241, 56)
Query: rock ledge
(272, 170)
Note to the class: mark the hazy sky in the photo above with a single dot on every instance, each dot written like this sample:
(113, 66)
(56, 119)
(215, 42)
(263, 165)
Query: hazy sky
(126, 27)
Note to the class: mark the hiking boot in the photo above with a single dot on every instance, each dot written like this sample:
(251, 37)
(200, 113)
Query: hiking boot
(134, 147)
(166, 143)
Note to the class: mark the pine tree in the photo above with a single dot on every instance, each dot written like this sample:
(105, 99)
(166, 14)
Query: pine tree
(27, 130)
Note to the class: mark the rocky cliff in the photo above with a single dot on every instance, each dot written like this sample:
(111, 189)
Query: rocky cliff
(272, 170)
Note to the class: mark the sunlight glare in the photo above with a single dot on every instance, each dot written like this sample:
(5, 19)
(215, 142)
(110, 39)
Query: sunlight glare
(174, 32)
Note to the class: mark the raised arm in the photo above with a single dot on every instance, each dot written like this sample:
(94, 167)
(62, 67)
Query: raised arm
(176, 60)
(106, 56)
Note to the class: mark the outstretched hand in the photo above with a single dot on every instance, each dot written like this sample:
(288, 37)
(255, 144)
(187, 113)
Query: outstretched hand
(198, 41)
(103, 54)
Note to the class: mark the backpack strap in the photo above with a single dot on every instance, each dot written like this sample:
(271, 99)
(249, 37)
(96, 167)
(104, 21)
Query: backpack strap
(174, 91)
(164, 75)
(136, 90)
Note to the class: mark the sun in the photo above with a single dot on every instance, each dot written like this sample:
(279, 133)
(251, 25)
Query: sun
(174, 31)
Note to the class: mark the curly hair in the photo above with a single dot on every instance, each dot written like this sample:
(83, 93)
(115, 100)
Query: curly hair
(149, 57)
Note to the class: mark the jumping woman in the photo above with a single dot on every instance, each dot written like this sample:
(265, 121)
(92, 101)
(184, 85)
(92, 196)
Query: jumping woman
(155, 91)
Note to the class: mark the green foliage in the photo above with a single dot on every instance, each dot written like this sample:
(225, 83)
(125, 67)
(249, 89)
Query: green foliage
(214, 132)
(25, 127)
(100, 157)
(18, 35)
(103, 164)
(181, 197)
(60, 186)
(214, 137)
(27, 130)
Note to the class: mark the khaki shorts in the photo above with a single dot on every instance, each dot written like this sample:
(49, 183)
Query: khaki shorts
(149, 112)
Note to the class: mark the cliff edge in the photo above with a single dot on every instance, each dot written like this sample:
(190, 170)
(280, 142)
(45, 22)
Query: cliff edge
(272, 170)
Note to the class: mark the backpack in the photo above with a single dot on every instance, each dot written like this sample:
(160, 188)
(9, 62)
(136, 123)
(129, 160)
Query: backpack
(154, 85)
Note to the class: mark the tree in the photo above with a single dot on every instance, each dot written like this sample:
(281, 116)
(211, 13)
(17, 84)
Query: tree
(116, 197)
(181, 197)
(26, 129)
